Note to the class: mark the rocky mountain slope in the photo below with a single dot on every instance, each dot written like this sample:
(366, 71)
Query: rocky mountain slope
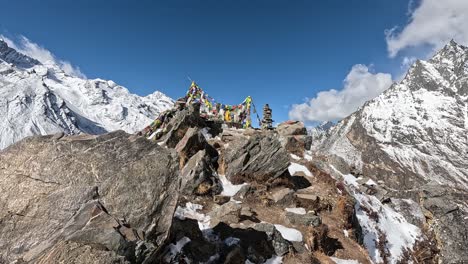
(413, 140)
(202, 193)
(385, 185)
(40, 98)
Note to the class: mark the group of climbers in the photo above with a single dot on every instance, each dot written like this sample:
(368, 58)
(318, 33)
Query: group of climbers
(233, 115)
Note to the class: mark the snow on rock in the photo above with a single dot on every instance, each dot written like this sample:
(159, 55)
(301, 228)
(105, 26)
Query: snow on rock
(206, 133)
(344, 261)
(229, 189)
(298, 210)
(295, 167)
(295, 157)
(370, 182)
(38, 99)
(346, 233)
(417, 125)
(190, 211)
(231, 241)
(175, 249)
(289, 234)
(272, 260)
(380, 221)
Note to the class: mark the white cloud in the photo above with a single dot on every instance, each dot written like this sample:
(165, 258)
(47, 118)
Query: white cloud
(407, 62)
(33, 50)
(360, 85)
(434, 23)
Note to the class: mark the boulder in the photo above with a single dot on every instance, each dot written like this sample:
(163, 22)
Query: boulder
(180, 123)
(296, 144)
(255, 245)
(245, 190)
(192, 142)
(446, 209)
(280, 245)
(221, 199)
(196, 248)
(234, 256)
(259, 158)
(294, 138)
(308, 219)
(94, 199)
(228, 213)
(199, 177)
(71, 252)
(283, 196)
(291, 128)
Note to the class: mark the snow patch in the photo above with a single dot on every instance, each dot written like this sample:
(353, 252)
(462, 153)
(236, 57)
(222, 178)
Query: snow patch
(370, 182)
(274, 260)
(295, 167)
(190, 211)
(231, 241)
(205, 132)
(229, 189)
(289, 234)
(344, 261)
(379, 220)
(295, 157)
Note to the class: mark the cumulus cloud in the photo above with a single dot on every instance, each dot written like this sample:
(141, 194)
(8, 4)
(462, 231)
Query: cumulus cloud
(433, 23)
(360, 85)
(33, 50)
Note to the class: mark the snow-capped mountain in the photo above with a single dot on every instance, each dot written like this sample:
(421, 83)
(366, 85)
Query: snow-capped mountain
(320, 132)
(40, 98)
(413, 140)
(416, 131)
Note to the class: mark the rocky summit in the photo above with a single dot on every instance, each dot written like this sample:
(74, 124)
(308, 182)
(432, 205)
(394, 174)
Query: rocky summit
(388, 184)
(201, 193)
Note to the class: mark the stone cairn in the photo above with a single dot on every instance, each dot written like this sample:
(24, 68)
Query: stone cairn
(267, 121)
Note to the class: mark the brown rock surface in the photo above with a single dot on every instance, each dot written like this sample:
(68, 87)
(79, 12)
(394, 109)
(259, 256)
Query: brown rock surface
(64, 199)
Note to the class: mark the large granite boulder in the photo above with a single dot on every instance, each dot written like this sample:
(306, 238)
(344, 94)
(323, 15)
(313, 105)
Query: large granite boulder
(256, 158)
(86, 199)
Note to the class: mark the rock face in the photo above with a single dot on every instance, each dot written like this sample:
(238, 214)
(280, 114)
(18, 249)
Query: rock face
(414, 135)
(179, 125)
(256, 158)
(294, 138)
(83, 199)
(40, 99)
(199, 176)
(446, 210)
(291, 128)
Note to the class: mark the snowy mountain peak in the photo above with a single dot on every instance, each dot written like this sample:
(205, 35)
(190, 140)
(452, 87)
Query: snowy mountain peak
(418, 126)
(452, 57)
(38, 98)
(11, 56)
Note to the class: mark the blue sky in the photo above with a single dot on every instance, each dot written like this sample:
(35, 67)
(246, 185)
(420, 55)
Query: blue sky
(279, 52)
